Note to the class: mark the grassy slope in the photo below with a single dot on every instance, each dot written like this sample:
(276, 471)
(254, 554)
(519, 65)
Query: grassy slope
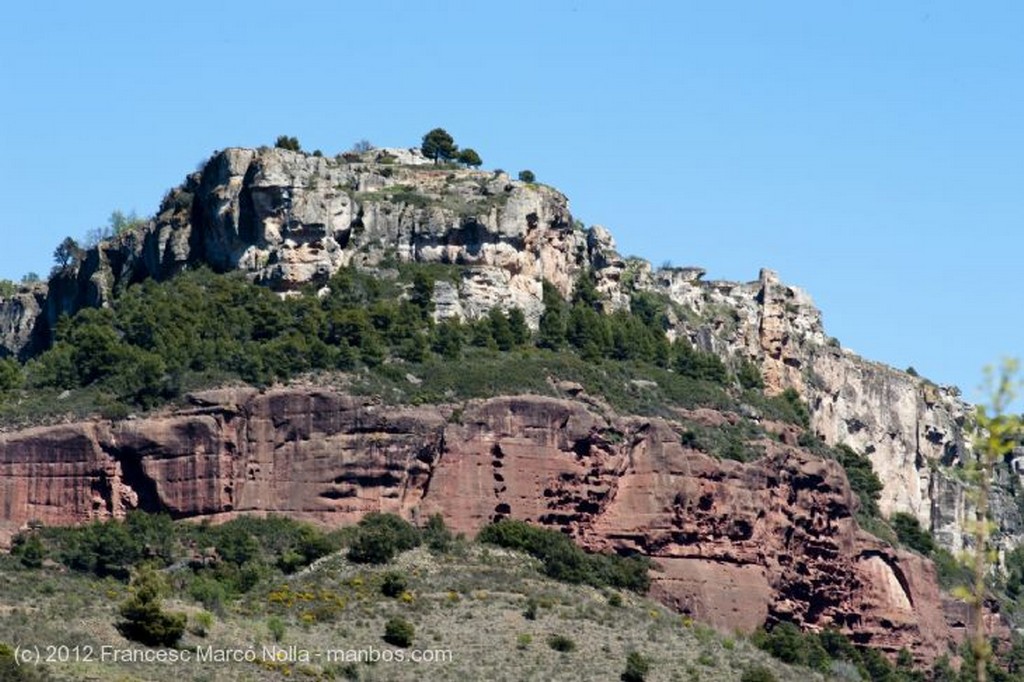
(470, 602)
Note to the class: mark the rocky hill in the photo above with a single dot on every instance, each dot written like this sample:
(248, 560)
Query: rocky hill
(289, 220)
(778, 532)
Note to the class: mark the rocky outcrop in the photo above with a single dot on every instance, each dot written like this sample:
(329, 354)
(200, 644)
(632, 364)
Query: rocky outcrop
(18, 314)
(734, 544)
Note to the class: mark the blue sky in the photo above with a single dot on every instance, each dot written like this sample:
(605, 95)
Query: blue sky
(872, 153)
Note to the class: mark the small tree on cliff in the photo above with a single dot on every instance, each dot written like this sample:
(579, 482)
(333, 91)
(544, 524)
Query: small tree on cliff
(439, 145)
(67, 253)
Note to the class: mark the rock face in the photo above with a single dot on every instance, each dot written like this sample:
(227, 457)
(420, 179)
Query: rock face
(18, 315)
(288, 220)
(735, 544)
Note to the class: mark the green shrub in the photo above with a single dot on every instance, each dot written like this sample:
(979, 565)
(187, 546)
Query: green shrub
(13, 670)
(143, 619)
(787, 643)
(758, 673)
(801, 415)
(637, 667)
(749, 376)
(399, 632)
(10, 374)
(436, 535)
(561, 643)
(862, 477)
(379, 537)
(564, 560)
(201, 624)
(527, 176)
(911, 534)
(286, 142)
(695, 364)
(29, 549)
(393, 584)
(276, 628)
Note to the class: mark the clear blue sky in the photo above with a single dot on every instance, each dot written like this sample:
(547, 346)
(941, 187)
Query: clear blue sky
(872, 153)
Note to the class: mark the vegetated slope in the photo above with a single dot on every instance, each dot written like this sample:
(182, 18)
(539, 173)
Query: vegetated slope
(479, 610)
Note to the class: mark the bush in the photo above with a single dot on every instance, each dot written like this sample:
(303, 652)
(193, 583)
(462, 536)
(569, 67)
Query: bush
(787, 643)
(749, 376)
(527, 176)
(10, 374)
(393, 584)
(911, 534)
(561, 643)
(862, 477)
(201, 624)
(437, 536)
(399, 632)
(144, 620)
(276, 628)
(13, 670)
(286, 142)
(637, 667)
(758, 673)
(801, 415)
(379, 537)
(564, 560)
(29, 549)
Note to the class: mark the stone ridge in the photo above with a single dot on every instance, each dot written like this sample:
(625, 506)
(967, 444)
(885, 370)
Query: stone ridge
(734, 544)
(289, 219)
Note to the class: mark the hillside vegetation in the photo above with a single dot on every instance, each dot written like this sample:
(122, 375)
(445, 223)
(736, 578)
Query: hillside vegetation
(200, 329)
(518, 603)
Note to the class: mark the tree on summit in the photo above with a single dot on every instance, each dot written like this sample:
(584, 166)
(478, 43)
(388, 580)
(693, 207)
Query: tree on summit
(289, 143)
(67, 253)
(469, 157)
(439, 145)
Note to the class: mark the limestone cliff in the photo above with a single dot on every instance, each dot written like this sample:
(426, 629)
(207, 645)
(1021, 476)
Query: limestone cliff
(289, 220)
(734, 544)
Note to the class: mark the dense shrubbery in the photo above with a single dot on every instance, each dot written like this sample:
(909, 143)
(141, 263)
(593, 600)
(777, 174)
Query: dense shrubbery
(911, 534)
(224, 560)
(200, 328)
(380, 537)
(564, 560)
(822, 651)
(862, 477)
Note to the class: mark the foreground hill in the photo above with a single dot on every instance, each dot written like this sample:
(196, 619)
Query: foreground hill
(477, 612)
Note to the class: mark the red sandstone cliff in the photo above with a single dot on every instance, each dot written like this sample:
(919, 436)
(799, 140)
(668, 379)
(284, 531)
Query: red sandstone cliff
(735, 544)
